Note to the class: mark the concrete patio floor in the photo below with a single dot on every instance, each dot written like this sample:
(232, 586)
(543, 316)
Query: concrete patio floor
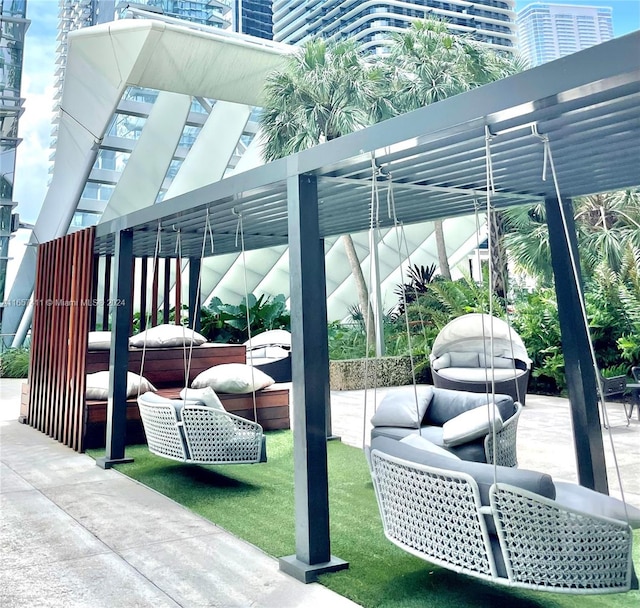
(76, 535)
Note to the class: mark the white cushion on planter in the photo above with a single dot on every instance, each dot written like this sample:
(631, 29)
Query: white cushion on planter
(470, 425)
(421, 443)
(267, 352)
(206, 395)
(233, 378)
(167, 335)
(97, 385)
(99, 340)
(399, 408)
(272, 337)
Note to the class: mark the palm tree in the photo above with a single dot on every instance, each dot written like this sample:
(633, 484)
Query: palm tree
(428, 64)
(607, 228)
(327, 90)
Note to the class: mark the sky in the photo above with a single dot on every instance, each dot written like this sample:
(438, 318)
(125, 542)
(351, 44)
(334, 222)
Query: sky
(30, 180)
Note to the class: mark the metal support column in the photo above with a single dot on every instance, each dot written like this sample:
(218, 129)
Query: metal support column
(580, 375)
(194, 297)
(310, 373)
(119, 354)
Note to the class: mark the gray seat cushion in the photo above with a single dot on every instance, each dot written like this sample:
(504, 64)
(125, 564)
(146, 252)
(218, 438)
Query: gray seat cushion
(483, 474)
(572, 496)
(473, 451)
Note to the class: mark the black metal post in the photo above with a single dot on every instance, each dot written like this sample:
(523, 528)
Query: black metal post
(310, 372)
(119, 354)
(580, 375)
(194, 299)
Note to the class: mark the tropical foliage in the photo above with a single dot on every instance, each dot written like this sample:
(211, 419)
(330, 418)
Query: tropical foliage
(230, 323)
(608, 232)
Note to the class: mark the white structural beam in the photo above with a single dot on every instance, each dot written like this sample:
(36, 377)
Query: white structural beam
(101, 62)
(147, 166)
(221, 132)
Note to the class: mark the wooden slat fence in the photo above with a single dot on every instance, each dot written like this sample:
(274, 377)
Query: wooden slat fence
(73, 285)
(62, 299)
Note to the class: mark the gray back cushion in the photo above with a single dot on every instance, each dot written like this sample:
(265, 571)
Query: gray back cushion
(403, 407)
(446, 404)
(483, 474)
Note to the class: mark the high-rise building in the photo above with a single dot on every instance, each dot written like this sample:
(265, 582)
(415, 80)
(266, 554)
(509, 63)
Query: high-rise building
(549, 31)
(489, 21)
(13, 26)
(254, 17)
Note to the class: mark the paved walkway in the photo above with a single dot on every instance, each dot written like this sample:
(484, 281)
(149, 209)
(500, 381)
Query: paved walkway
(75, 535)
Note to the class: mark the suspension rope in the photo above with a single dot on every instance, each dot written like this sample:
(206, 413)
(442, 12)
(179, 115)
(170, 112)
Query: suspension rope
(185, 357)
(208, 231)
(401, 239)
(374, 218)
(156, 254)
(548, 161)
(490, 191)
(243, 255)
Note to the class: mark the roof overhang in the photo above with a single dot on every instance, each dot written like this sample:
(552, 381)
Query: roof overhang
(587, 105)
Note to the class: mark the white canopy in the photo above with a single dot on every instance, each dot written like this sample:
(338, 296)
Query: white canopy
(475, 332)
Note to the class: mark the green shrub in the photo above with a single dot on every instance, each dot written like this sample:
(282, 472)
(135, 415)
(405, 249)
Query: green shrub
(14, 362)
(230, 324)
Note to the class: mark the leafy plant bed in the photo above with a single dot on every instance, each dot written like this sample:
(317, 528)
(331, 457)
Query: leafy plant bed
(255, 502)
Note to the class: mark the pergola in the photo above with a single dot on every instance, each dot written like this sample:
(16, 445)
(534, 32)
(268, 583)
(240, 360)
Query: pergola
(584, 109)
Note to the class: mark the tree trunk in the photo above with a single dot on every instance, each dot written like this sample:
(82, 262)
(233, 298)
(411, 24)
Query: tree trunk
(443, 259)
(361, 286)
(497, 255)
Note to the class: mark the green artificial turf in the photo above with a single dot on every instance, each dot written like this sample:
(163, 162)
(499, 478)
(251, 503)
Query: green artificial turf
(255, 502)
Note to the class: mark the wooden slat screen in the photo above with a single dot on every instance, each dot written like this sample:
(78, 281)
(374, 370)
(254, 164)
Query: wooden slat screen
(68, 293)
(62, 300)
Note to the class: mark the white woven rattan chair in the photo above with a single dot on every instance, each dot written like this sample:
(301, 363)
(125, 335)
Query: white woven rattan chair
(505, 441)
(520, 539)
(195, 433)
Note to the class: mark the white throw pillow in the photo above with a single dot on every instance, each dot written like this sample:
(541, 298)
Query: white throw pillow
(421, 443)
(399, 408)
(233, 378)
(167, 335)
(206, 395)
(470, 425)
(442, 362)
(495, 362)
(99, 340)
(97, 385)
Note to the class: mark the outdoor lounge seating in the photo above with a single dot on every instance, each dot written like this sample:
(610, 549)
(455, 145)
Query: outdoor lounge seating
(480, 353)
(511, 526)
(194, 432)
(456, 421)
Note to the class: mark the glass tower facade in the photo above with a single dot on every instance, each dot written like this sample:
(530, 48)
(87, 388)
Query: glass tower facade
(550, 31)
(371, 23)
(254, 17)
(13, 26)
